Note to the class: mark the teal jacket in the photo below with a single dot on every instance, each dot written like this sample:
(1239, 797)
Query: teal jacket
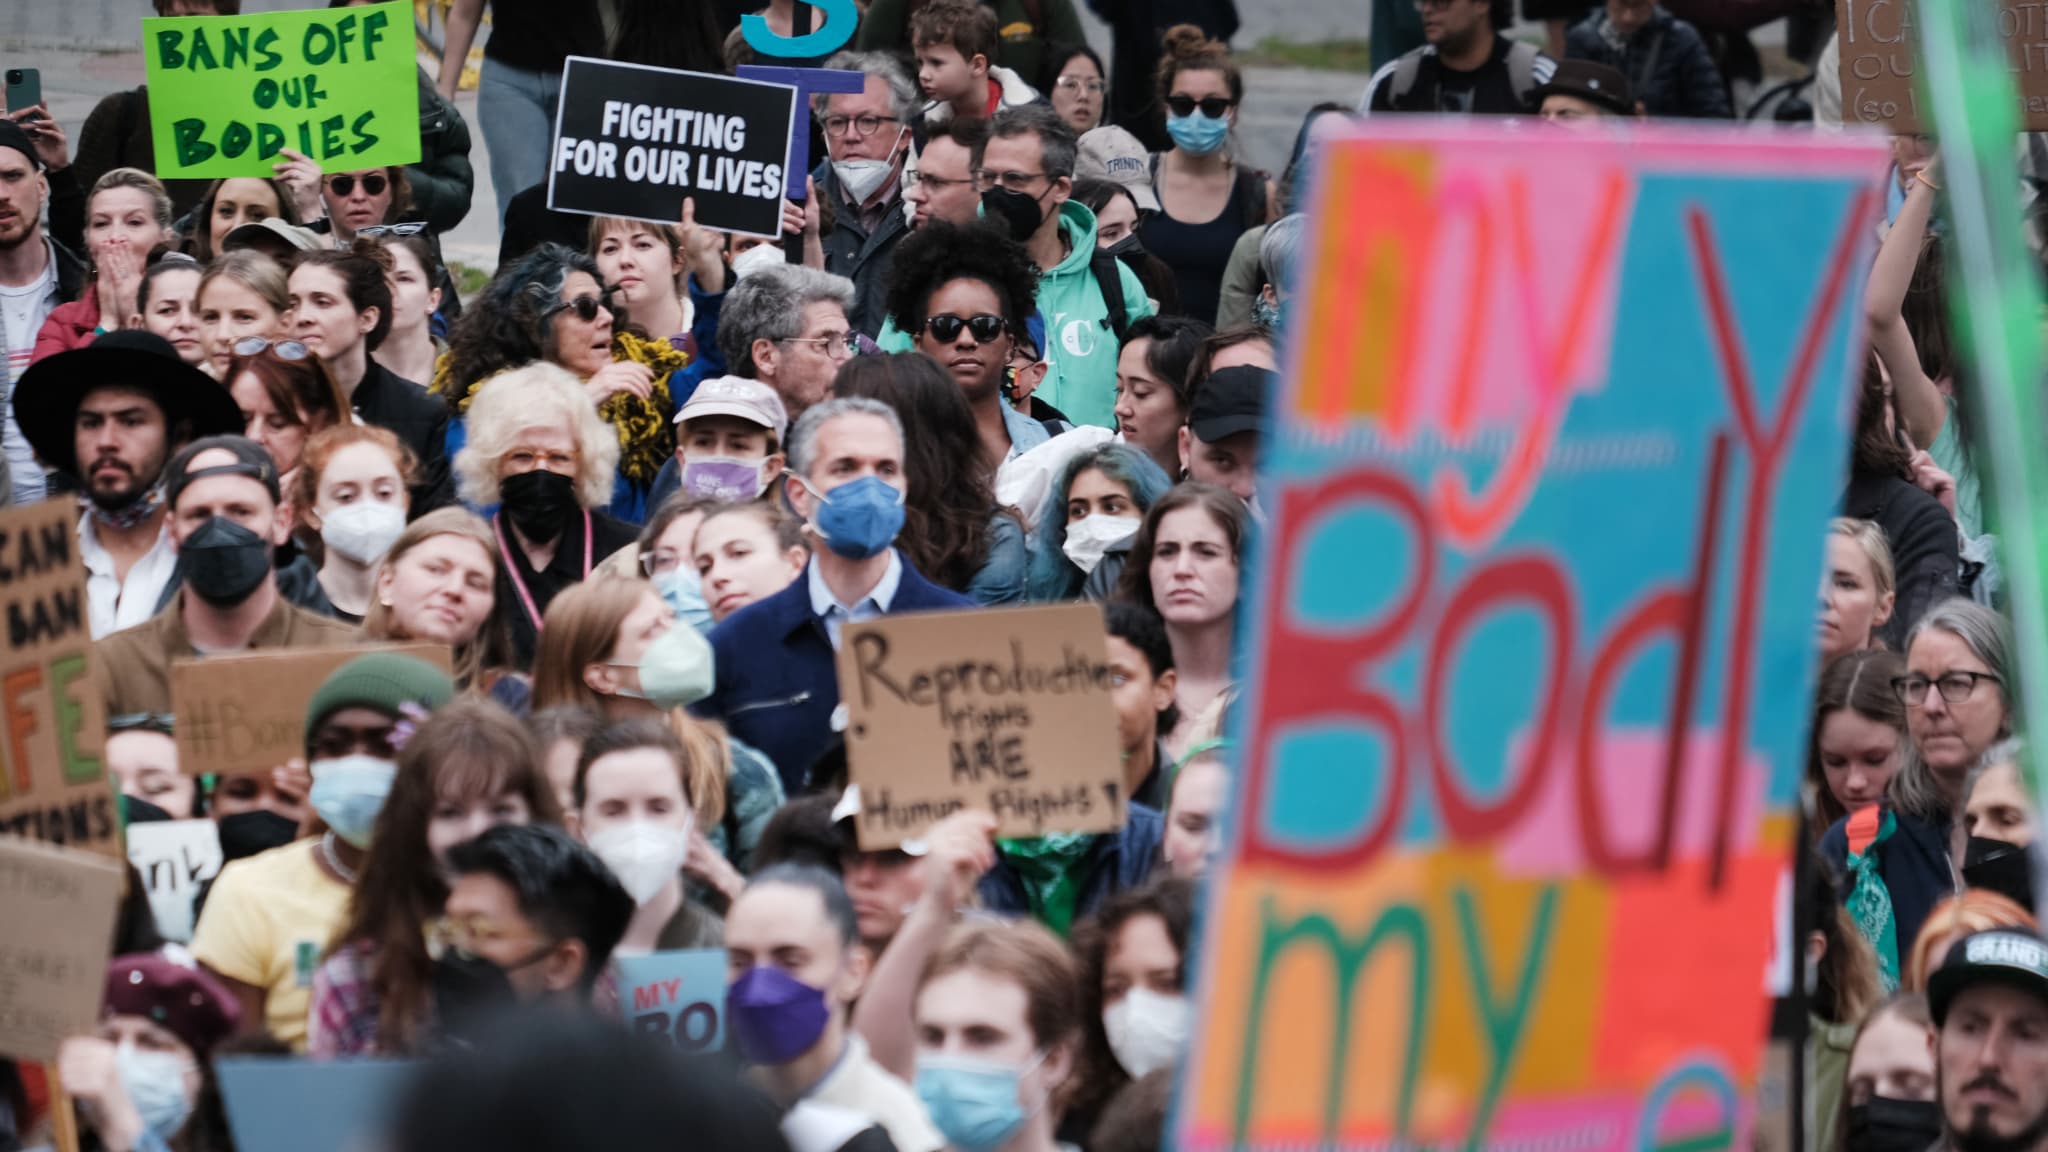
(1083, 349)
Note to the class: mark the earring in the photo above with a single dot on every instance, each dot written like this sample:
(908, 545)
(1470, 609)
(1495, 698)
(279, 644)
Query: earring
(386, 602)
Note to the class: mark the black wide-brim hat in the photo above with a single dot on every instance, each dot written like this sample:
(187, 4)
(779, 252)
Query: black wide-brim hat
(48, 395)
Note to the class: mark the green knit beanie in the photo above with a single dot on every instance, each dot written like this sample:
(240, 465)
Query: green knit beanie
(380, 680)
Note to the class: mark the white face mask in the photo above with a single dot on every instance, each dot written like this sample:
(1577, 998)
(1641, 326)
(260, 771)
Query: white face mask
(644, 856)
(363, 531)
(860, 179)
(1092, 536)
(755, 259)
(1147, 1030)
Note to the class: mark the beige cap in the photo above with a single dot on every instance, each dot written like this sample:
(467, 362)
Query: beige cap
(1110, 153)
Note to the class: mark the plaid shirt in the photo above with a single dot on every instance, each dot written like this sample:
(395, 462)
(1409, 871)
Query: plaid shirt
(342, 1020)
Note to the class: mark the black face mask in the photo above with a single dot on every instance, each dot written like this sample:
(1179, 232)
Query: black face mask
(136, 810)
(1886, 1125)
(1017, 211)
(538, 502)
(2000, 867)
(223, 562)
(1127, 248)
(468, 991)
(247, 833)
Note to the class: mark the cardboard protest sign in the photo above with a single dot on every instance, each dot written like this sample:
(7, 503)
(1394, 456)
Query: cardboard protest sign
(174, 857)
(1880, 54)
(57, 907)
(278, 1105)
(227, 94)
(634, 141)
(53, 727)
(1004, 710)
(1530, 640)
(679, 994)
(247, 713)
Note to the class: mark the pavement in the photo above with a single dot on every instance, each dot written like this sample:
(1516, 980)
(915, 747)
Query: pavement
(87, 49)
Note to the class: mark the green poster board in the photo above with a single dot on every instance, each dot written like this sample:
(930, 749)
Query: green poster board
(227, 94)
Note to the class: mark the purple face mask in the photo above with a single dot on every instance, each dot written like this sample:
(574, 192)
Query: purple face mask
(774, 1017)
(722, 478)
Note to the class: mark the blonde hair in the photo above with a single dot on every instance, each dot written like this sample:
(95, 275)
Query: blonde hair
(488, 649)
(1869, 537)
(581, 628)
(537, 395)
(143, 182)
(252, 270)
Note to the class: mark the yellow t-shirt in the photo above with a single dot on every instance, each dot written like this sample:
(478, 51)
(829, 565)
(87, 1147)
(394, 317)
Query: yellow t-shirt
(266, 923)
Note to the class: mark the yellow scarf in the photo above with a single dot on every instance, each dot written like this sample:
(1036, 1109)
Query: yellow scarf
(647, 440)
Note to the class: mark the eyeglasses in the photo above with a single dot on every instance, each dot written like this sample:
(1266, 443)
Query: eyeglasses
(843, 346)
(863, 126)
(935, 183)
(1079, 84)
(285, 349)
(409, 228)
(1955, 687)
(174, 258)
(985, 328)
(987, 178)
(530, 459)
(1212, 106)
(661, 561)
(374, 183)
(585, 307)
(464, 934)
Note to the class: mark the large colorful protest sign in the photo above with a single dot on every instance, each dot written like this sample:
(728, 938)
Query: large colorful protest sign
(1531, 641)
(227, 94)
(53, 782)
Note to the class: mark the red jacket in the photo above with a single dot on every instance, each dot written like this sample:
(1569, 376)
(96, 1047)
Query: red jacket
(69, 326)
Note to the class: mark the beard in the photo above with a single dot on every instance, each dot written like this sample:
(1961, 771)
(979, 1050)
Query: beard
(1978, 1135)
(122, 494)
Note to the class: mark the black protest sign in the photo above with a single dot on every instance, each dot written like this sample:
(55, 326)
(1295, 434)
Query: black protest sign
(635, 141)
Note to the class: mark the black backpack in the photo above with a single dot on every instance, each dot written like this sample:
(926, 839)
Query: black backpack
(1103, 266)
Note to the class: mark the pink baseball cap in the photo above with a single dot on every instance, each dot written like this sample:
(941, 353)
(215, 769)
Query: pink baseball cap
(738, 396)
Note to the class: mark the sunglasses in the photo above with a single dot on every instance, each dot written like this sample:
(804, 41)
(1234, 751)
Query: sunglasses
(374, 183)
(285, 349)
(585, 307)
(1212, 106)
(409, 228)
(946, 327)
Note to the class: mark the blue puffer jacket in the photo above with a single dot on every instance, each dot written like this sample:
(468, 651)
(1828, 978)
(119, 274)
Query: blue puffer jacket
(1666, 62)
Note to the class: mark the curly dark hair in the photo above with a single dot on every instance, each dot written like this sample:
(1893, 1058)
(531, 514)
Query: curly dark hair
(1173, 902)
(940, 252)
(508, 326)
(946, 514)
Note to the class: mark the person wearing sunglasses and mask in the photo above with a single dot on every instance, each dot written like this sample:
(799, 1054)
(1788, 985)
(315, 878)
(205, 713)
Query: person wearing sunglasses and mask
(551, 306)
(269, 918)
(776, 686)
(538, 452)
(350, 201)
(226, 517)
(140, 1076)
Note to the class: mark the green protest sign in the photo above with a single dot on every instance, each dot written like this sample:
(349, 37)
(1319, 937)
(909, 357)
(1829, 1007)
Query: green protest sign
(227, 94)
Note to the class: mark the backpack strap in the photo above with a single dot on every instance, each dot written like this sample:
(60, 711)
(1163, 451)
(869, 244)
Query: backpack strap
(1407, 70)
(1108, 273)
(1522, 57)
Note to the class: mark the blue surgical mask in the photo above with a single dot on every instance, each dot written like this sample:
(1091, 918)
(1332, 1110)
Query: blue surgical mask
(675, 670)
(1197, 133)
(976, 1106)
(155, 1083)
(682, 589)
(349, 791)
(858, 519)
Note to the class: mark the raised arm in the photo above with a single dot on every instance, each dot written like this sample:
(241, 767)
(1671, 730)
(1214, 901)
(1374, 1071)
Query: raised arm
(1920, 405)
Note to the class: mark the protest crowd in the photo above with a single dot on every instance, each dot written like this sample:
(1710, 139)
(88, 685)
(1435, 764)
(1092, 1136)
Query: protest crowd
(603, 527)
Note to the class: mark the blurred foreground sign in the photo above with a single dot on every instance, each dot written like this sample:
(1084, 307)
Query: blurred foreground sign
(1530, 641)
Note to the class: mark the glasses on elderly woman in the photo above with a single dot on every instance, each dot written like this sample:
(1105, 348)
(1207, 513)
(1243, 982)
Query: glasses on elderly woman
(536, 459)
(585, 307)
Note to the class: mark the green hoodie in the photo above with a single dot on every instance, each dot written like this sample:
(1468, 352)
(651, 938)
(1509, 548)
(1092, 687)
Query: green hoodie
(1083, 350)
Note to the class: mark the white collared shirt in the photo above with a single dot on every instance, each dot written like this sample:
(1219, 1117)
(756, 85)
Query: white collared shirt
(875, 603)
(112, 604)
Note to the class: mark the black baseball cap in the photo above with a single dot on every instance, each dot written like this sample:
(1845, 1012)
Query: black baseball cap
(250, 460)
(47, 397)
(2000, 956)
(1589, 81)
(1230, 401)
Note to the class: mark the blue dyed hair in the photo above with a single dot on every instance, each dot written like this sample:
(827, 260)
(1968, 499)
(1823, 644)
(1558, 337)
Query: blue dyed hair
(1053, 576)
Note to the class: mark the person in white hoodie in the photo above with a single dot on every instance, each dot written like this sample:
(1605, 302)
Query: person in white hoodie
(955, 42)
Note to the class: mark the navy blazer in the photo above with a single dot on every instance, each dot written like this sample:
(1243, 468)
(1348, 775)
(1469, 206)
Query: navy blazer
(776, 687)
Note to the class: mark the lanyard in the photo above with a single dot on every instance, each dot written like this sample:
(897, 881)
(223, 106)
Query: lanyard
(512, 569)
